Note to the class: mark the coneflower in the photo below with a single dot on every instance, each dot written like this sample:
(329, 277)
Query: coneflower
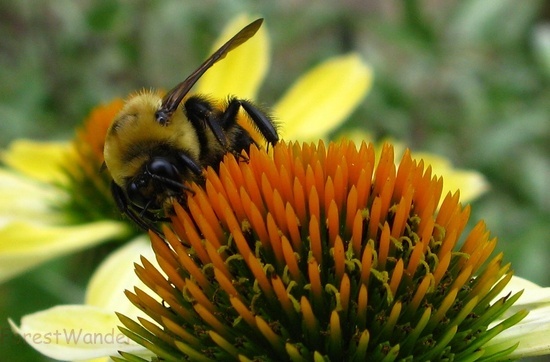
(314, 253)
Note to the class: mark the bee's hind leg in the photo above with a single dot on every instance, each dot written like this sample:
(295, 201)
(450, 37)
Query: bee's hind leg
(262, 121)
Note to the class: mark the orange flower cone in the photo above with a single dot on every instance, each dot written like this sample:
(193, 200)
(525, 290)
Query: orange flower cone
(311, 253)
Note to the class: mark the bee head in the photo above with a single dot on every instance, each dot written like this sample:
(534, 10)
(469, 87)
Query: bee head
(158, 179)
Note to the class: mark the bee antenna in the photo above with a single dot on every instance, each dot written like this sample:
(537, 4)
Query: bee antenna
(167, 181)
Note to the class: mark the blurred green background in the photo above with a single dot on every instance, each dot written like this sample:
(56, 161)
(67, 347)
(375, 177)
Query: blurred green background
(465, 79)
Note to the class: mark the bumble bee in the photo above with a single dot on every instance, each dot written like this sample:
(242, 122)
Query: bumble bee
(155, 144)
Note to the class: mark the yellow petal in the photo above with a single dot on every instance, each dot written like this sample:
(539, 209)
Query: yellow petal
(74, 332)
(42, 161)
(26, 199)
(470, 183)
(24, 245)
(243, 69)
(531, 333)
(107, 292)
(323, 98)
(533, 294)
(356, 136)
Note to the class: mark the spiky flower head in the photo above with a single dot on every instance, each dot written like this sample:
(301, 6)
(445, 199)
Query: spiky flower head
(314, 253)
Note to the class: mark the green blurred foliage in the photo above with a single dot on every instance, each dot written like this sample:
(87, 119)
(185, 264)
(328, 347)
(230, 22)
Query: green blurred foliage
(467, 79)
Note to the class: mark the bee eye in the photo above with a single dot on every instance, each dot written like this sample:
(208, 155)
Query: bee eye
(135, 191)
(162, 167)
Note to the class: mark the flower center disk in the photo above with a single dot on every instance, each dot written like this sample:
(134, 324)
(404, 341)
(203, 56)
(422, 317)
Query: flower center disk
(308, 252)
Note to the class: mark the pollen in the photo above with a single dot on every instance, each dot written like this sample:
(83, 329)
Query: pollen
(311, 252)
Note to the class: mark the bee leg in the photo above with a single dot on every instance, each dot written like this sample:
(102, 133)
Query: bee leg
(190, 164)
(125, 208)
(260, 119)
(200, 112)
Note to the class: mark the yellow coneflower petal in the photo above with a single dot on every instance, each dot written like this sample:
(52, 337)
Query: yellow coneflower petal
(42, 161)
(101, 290)
(334, 88)
(78, 324)
(21, 251)
(25, 199)
(61, 332)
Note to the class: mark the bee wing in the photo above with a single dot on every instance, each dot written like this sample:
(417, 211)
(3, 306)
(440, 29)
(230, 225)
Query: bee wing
(173, 98)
